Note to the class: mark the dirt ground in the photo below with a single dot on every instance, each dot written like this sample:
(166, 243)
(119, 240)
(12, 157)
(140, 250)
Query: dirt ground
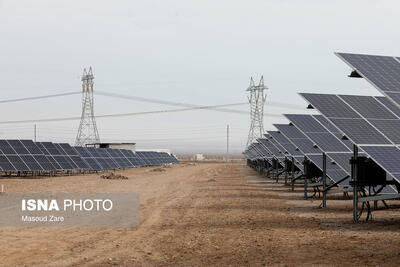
(206, 214)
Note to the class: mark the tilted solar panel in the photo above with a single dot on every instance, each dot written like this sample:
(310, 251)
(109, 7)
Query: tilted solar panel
(383, 72)
(5, 163)
(356, 128)
(317, 133)
(285, 143)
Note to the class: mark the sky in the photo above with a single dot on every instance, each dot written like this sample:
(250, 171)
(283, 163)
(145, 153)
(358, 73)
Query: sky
(196, 52)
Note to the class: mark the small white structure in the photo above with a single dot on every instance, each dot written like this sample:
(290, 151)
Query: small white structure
(130, 146)
(198, 157)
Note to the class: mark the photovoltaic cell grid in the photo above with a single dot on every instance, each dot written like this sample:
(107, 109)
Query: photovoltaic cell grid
(360, 130)
(317, 133)
(253, 152)
(22, 155)
(272, 149)
(278, 146)
(383, 72)
(262, 151)
(26, 155)
(327, 142)
(334, 172)
(257, 151)
(285, 146)
(298, 139)
(289, 148)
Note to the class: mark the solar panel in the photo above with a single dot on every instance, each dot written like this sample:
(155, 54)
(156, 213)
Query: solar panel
(271, 148)
(50, 158)
(386, 156)
(333, 171)
(45, 163)
(327, 124)
(31, 147)
(143, 156)
(5, 164)
(360, 131)
(289, 131)
(357, 129)
(317, 133)
(31, 155)
(6, 148)
(297, 138)
(394, 96)
(381, 71)
(66, 157)
(262, 150)
(88, 158)
(93, 164)
(286, 144)
(368, 107)
(306, 146)
(318, 160)
(389, 105)
(18, 163)
(18, 147)
(278, 146)
(306, 123)
(32, 164)
(330, 106)
(74, 156)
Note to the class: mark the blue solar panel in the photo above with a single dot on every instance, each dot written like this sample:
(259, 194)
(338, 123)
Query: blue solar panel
(18, 147)
(381, 71)
(18, 163)
(31, 162)
(386, 156)
(6, 148)
(317, 133)
(5, 164)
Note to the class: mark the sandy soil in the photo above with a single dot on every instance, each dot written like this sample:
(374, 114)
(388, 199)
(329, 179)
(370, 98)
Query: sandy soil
(207, 214)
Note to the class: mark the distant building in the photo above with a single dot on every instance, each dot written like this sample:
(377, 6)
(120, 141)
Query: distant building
(130, 146)
(198, 157)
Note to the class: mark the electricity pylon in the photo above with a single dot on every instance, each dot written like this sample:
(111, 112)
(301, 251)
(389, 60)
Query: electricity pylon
(87, 132)
(256, 99)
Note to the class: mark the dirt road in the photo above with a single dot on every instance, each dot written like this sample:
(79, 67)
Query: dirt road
(206, 214)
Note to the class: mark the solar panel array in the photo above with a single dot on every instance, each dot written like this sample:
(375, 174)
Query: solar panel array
(347, 124)
(29, 156)
(372, 125)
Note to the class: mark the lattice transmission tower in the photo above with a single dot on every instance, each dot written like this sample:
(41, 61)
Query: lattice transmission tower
(256, 99)
(87, 132)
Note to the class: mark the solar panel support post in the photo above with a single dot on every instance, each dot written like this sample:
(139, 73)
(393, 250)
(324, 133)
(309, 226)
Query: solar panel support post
(324, 180)
(292, 174)
(354, 182)
(286, 170)
(305, 177)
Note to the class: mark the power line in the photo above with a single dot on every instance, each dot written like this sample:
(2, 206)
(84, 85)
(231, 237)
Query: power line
(164, 102)
(38, 97)
(129, 114)
(145, 99)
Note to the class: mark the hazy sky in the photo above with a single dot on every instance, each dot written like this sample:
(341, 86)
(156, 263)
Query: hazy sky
(199, 52)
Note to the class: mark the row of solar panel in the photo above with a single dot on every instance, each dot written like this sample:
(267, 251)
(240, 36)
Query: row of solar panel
(26, 155)
(371, 123)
